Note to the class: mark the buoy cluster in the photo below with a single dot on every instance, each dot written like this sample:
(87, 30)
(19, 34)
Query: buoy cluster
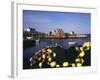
(47, 58)
(83, 51)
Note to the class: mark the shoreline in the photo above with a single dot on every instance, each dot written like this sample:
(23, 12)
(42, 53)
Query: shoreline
(32, 43)
(64, 38)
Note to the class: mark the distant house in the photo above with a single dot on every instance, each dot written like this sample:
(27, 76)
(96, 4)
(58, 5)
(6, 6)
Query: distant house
(28, 30)
(59, 33)
(81, 35)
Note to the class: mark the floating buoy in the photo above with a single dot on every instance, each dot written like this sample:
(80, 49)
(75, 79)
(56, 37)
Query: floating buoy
(86, 44)
(77, 60)
(73, 64)
(57, 65)
(82, 54)
(43, 56)
(54, 54)
(49, 50)
(65, 64)
(53, 64)
(40, 65)
(49, 59)
(81, 48)
(78, 64)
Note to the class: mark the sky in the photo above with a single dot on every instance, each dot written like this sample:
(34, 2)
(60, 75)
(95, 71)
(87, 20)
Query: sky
(45, 21)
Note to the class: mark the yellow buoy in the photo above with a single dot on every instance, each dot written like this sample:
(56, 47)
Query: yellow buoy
(49, 59)
(81, 48)
(57, 65)
(73, 64)
(49, 50)
(53, 64)
(86, 44)
(40, 64)
(78, 64)
(77, 60)
(54, 54)
(43, 56)
(82, 54)
(65, 64)
(77, 48)
(82, 60)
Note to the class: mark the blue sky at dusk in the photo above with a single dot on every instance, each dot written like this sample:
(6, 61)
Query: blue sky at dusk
(44, 21)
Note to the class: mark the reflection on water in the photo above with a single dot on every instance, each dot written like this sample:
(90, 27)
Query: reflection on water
(27, 53)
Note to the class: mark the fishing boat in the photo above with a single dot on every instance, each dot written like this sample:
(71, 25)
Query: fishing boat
(71, 43)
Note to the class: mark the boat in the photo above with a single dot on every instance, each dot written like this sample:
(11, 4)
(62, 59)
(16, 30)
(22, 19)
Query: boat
(71, 43)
